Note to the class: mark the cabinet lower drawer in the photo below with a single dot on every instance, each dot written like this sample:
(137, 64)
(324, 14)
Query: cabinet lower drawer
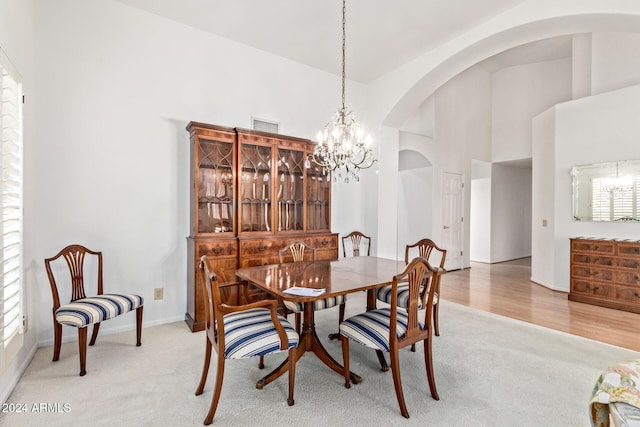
(592, 288)
(592, 273)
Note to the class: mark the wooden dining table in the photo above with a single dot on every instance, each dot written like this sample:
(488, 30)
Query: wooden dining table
(337, 277)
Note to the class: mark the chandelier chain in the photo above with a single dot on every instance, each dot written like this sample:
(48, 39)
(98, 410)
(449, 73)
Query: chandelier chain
(344, 50)
(343, 146)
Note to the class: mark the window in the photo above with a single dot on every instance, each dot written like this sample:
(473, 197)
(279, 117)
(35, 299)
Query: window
(11, 210)
(615, 201)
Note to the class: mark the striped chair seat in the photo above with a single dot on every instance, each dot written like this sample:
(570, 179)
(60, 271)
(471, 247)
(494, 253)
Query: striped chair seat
(321, 304)
(252, 333)
(384, 295)
(372, 328)
(88, 311)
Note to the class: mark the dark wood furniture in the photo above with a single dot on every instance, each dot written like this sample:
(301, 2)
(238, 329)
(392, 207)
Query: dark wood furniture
(606, 272)
(247, 340)
(338, 277)
(68, 279)
(381, 328)
(251, 194)
(425, 249)
(356, 238)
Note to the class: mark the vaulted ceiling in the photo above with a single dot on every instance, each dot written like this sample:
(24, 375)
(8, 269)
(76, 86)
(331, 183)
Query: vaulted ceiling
(381, 34)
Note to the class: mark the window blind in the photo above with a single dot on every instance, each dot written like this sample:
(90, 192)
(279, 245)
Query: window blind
(614, 205)
(11, 210)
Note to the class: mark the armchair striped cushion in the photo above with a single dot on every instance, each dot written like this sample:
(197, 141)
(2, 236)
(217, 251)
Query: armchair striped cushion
(384, 294)
(89, 311)
(252, 333)
(321, 304)
(372, 329)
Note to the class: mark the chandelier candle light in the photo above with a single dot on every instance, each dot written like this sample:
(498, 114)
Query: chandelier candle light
(343, 143)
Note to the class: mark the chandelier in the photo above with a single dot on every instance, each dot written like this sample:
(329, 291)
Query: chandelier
(343, 144)
(617, 185)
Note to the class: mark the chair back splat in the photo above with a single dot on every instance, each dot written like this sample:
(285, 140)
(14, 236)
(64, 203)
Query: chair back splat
(357, 238)
(297, 250)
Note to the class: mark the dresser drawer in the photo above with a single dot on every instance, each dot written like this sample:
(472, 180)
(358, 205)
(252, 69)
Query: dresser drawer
(628, 293)
(602, 247)
(629, 249)
(585, 258)
(218, 249)
(592, 273)
(628, 277)
(592, 288)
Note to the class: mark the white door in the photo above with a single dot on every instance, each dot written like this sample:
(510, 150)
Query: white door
(452, 219)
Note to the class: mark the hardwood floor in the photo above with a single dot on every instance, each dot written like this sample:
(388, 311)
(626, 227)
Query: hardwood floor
(505, 289)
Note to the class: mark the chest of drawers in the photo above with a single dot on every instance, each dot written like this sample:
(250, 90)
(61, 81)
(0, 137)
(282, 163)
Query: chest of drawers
(606, 273)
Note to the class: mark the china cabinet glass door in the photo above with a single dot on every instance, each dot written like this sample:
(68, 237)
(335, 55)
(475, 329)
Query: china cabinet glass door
(255, 188)
(318, 199)
(215, 186)
(290, 191)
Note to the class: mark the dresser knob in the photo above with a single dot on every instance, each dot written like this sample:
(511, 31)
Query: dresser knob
(324, 242)
(217, 250)
(262, 247)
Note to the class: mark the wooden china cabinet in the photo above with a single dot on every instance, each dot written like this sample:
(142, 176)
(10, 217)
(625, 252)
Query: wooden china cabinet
(251, 194)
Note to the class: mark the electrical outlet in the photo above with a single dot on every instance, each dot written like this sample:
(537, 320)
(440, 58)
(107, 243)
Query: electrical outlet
(157, 293)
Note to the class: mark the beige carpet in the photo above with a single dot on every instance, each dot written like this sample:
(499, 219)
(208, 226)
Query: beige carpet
(489, 370)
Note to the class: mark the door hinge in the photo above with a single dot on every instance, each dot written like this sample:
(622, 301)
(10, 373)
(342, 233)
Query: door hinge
(23, 99)
(460, 253)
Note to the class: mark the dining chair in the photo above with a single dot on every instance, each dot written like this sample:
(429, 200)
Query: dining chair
(241, 331)
(425, 248)
(392, 328)
(297, 249)
(356, 238)
(68, 281)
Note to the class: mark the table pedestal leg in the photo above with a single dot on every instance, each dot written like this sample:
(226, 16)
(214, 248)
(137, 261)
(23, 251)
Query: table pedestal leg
(309, 341)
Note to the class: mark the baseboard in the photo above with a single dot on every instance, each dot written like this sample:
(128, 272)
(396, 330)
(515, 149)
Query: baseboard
(10, 383)
(112, 331)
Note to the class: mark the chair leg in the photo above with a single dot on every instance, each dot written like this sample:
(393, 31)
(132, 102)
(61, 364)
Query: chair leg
(94, 334)
(336, 335)
(345, 360)
(436, 329)
(205, 367)
(216, 393)
(82, 347)
(139, 326)
(428, 361)
(292, 375)
(57, 340)
(383, 363)
(397, 382)
(261, 362)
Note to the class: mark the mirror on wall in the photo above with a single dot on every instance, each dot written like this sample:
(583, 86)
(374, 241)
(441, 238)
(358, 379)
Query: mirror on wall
(607, 191)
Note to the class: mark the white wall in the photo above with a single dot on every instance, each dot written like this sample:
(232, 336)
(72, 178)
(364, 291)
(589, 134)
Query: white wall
(17, 40)
(462, 133)
(615, 61)
(543, 198)
(111, 170)
(599, 128)
(415, 195)
(480, 213)
(510, 212)
(520, 93)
